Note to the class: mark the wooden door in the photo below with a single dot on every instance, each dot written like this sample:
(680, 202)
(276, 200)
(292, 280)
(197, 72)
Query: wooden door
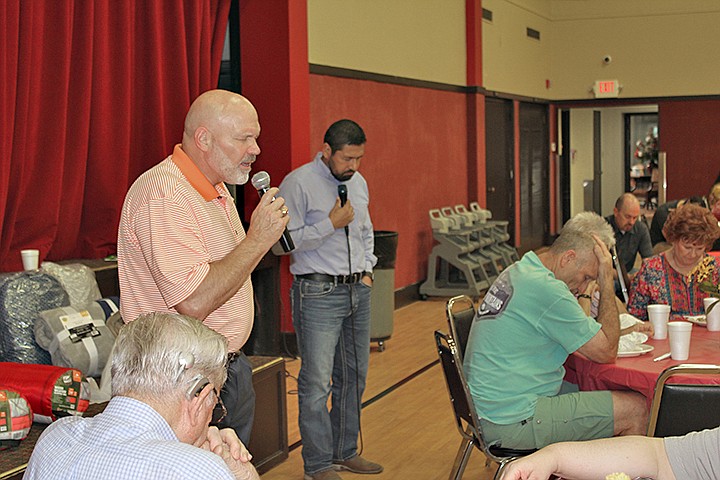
(499, 175)
(533, 176)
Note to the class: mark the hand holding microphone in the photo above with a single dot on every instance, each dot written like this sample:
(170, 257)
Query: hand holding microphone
(261, 182)
(342, 194)
(341, 214)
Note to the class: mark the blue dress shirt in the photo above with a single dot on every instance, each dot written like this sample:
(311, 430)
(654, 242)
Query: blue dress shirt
(310, 193)
(129, 440)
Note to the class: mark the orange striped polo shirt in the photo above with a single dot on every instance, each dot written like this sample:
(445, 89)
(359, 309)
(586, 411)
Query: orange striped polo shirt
(174, 223)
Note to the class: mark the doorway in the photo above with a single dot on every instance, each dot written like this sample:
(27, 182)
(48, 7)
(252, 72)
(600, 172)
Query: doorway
(583, 144)
(641, 157)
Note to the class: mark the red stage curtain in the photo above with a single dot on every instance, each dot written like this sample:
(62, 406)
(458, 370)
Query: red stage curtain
(92, 93)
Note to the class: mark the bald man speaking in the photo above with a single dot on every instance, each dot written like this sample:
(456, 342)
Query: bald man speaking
(182, 247)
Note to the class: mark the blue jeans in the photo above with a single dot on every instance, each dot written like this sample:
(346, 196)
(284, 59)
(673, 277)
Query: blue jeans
(332, 324)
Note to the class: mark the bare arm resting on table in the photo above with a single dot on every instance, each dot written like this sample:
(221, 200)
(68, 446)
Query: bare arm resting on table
(593, 460)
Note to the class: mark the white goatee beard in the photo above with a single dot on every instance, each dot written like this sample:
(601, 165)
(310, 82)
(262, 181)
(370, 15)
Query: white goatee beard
(243, 178)
(237, 178)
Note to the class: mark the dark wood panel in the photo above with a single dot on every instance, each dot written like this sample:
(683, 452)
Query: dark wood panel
(534, 167)
(499, 173)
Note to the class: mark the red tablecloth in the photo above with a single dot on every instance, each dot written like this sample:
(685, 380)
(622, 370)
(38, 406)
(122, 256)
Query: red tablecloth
(640, 373)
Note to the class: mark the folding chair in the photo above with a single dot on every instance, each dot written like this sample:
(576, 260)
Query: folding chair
(465, 416)
(681, 408)
(460, 321)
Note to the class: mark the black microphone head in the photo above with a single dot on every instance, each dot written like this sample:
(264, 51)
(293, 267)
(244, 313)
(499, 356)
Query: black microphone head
(261, 180)
(342, 193)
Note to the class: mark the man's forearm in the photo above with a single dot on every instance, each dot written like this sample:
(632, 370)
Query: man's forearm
(224, 279)
(633, 455)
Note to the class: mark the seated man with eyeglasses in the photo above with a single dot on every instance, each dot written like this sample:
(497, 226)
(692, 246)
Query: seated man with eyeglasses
(166, 372)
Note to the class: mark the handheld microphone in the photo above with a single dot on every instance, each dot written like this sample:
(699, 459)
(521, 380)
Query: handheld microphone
(342, 193)
(261, 182)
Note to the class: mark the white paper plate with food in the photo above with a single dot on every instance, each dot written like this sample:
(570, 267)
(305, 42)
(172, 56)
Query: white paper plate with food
(637, 350)
(696, 319)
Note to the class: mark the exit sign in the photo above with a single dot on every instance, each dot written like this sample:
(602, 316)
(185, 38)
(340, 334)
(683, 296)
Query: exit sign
(606, 89)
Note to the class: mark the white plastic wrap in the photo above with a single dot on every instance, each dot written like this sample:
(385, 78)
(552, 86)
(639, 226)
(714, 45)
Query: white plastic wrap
(77, 279)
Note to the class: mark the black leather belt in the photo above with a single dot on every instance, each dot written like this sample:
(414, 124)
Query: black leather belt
(321, 277)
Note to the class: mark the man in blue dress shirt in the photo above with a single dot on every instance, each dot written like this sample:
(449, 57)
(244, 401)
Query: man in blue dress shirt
(332, 264)
(167, 370)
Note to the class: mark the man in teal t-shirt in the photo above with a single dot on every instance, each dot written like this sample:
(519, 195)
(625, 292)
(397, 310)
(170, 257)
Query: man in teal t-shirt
(525, 328)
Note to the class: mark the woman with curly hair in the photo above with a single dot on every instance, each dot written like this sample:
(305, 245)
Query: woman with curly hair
(671, 277)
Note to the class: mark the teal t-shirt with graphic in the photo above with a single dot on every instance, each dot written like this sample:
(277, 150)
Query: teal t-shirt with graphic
(525, 328)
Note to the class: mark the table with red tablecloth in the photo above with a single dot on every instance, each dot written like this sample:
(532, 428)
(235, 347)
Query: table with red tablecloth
(640, 373)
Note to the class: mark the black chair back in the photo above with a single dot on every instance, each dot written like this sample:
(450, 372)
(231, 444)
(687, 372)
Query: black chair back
(466, 418)
(678, 409)
(457, 388)
(460, 312)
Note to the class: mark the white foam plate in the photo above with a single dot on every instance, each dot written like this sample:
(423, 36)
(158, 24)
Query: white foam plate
(641, 349)
(697, 319)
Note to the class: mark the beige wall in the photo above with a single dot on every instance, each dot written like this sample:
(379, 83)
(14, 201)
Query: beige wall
(658, 47)
(418, 39)
(653, 53)
(513, 62)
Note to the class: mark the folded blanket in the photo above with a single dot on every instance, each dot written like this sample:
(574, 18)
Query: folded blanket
(77, 338)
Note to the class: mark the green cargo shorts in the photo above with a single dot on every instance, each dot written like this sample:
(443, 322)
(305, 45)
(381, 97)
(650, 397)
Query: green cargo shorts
(565, 417)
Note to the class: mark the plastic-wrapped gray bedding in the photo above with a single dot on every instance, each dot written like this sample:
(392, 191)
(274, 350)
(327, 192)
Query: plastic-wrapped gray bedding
(23, 295)
(76, 337)
(77, 279)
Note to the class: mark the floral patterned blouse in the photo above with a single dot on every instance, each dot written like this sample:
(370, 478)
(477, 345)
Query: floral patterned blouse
(658, 282)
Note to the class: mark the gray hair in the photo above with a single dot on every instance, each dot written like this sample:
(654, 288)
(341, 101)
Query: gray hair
(159, 354)
(577, 233)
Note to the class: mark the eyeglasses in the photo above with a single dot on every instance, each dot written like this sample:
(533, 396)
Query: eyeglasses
(219, 411)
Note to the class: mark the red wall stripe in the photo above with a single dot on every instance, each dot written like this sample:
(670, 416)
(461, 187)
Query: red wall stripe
(280, 90)
(473, 34)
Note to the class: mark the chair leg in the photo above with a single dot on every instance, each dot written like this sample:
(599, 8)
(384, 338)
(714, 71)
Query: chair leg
(461, 459)
(501, 469)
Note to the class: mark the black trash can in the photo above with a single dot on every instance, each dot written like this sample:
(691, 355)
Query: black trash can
(382, 300)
